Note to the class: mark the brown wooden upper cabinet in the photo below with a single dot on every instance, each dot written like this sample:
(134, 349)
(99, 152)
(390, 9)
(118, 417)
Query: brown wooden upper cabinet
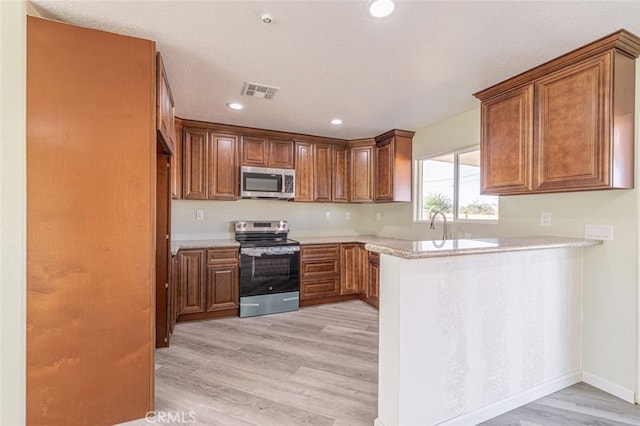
(210, 165)
(314, 175)
(266, 152)
(361, 172)
(165, 110)
(393, 166)
(340, 174)
(176, 163)
(566, 125)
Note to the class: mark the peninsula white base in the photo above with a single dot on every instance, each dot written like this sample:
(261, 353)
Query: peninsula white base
(466, 337)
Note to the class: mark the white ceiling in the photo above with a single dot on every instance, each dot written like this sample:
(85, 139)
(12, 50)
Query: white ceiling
(331, 59)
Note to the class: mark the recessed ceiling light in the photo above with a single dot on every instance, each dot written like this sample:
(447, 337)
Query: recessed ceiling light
(266, 19)
(380, 8)
(336, 121)
(235, 106)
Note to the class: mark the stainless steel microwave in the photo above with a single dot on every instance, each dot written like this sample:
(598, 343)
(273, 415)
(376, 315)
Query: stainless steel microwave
(264, 182)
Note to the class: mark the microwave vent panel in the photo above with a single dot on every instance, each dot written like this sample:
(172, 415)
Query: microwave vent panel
(257, 90)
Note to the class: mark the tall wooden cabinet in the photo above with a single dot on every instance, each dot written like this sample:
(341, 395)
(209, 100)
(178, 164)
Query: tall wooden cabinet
(322, 172)
(176, 163)
(566, 125)
(90, 225)
(361, 172)
(194, 163)
(340, 174)
(393, 166)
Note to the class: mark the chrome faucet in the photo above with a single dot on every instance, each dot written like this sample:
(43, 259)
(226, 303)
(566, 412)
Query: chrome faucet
(432, 225)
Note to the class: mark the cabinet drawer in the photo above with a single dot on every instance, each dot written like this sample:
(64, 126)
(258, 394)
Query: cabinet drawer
(217, 256)
(319, 268)
(313, 289)
(319, 251)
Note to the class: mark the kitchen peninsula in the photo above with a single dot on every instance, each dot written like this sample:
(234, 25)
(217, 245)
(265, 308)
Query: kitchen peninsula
(470, 329)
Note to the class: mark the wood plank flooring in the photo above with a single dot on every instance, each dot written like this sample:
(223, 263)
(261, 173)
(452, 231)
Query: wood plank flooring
(315, 366)
(577, 405)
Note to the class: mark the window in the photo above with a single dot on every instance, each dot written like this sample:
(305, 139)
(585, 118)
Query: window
(450, 183)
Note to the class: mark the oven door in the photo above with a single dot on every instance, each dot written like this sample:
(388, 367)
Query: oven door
(269, 270)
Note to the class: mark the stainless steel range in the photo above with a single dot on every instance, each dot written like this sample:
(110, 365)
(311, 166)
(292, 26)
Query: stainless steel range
(269, 268)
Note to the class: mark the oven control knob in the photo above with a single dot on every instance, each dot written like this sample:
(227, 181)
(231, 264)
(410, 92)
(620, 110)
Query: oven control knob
(282, 225)
(241, 226)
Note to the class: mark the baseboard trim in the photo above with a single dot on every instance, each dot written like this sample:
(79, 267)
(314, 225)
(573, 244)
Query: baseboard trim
(490, 411)
(609, 387)
(377, 422)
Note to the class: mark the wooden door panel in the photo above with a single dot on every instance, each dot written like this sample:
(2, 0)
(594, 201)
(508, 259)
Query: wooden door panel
(384, 171)
(223, 170)
(91, 165)
(507, 143)
(191, 279)
(281, 153)
(349, 269)
(176, 164)
(222, 288)
(322, 162)
(254, 151)
(340, 169)
(304, 171)
(194, 173)
(362, 174)
(572, 145)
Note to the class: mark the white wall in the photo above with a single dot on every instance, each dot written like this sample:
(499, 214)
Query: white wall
(305, 219)
(12, 211)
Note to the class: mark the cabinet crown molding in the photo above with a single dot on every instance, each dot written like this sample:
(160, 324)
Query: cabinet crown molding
(622, 41)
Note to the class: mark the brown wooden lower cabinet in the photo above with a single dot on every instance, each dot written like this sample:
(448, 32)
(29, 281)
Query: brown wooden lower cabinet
(373, 281)
(208, 284)
(336, 272)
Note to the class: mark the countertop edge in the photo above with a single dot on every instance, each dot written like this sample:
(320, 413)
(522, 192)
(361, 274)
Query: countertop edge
(502, 245)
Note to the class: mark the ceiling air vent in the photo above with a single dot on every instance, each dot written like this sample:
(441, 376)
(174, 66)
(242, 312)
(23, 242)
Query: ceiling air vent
(259, 90)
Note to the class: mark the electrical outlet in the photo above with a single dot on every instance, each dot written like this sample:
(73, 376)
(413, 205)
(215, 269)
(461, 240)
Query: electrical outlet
(348, 215)
(467, 235)
(378, 216)
(545, 219)
(327, 215)
(199, 214)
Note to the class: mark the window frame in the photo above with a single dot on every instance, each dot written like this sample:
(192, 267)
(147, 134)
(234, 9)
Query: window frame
(417, 208)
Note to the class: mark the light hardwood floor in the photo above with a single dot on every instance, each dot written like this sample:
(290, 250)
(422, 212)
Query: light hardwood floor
(315, 366)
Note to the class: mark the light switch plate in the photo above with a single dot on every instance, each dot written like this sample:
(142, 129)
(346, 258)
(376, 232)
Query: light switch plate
(199, 214)
(327, 215)
(348, 215)
(598, 232)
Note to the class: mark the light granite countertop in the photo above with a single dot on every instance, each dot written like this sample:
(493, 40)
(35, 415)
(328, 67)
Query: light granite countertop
(440, 248)
(201, 244)
(415, 249)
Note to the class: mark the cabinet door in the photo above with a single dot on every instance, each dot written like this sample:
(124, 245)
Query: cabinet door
(176, 164)
(349, 269)
(191, 292)
(165, 111)
(361, 171)
(373, 289)
(322, 162)
(222, 287)
(507, 142)
(194, 173)
(223, 167)
(281, 153)
(363, 271)
(304, 171)
(163, 229)
(255, 151)
(384, 170)
(340, 169)
(173, 294)
(571, 137)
